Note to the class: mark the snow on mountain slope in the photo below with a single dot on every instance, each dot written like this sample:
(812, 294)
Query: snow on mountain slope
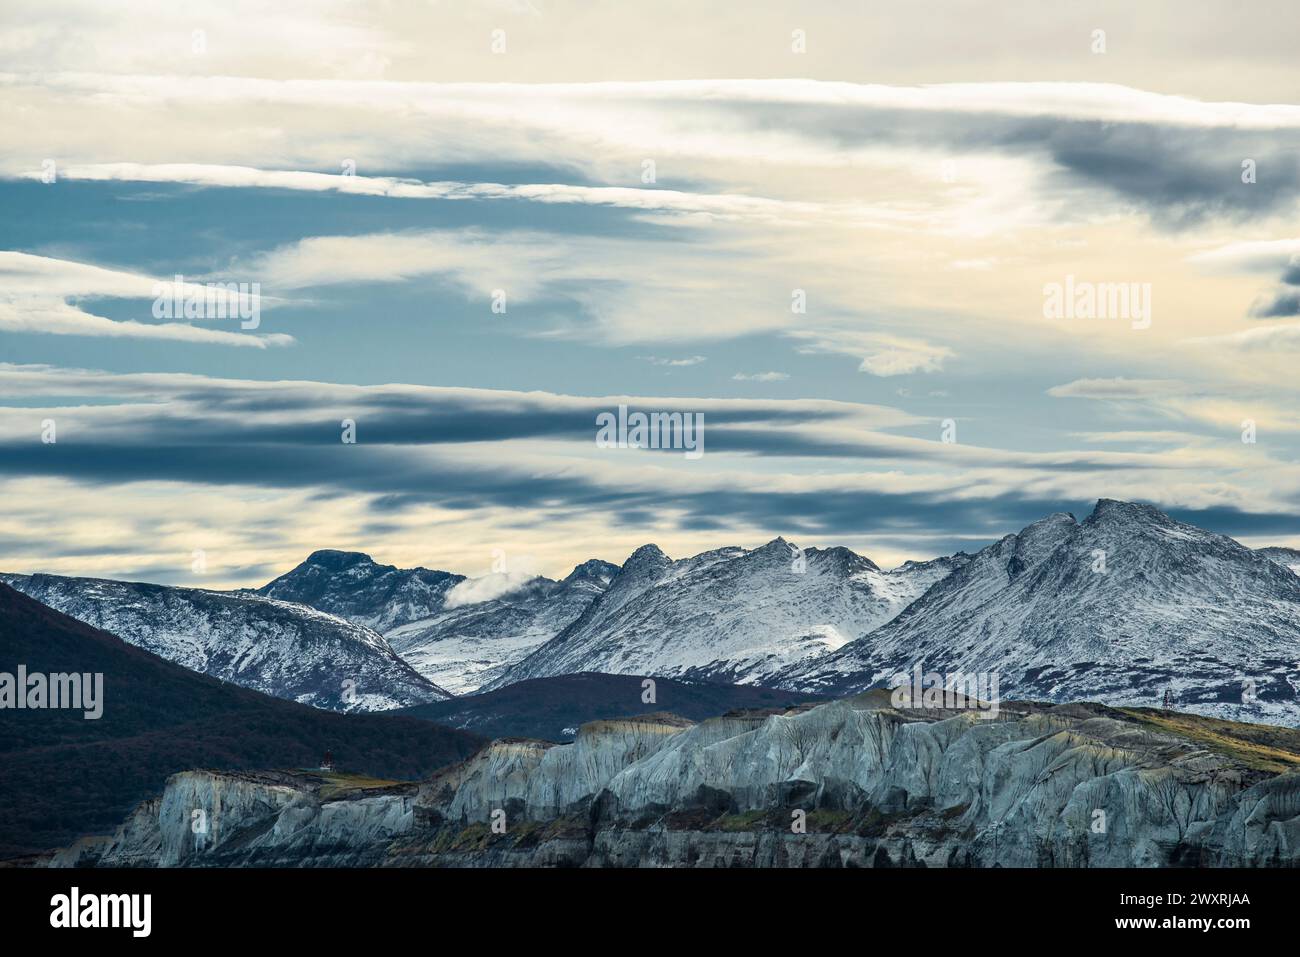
(1289, 557)
(465, 647)
(730, 615)
(276, 647)
(1117, 608)
(353, 586)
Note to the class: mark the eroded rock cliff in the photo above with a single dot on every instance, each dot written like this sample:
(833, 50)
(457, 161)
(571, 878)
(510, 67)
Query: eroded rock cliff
(856, 782)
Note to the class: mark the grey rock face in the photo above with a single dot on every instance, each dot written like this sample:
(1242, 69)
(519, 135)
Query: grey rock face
(856, 782)
(282, 649)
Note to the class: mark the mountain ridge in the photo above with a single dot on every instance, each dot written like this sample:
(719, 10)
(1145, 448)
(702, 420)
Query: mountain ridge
(284, 649)
(732, 615)
(1119, 607)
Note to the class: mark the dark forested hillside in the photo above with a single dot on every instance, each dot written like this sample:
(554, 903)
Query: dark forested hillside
(65, 776)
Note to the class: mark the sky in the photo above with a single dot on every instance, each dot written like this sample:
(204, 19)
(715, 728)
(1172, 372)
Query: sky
(835, 231)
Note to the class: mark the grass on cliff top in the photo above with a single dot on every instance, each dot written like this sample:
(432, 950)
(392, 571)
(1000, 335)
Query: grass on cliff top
(336, 783)
(1262, 747)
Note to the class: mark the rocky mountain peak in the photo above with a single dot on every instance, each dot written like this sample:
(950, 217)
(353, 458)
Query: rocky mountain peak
(844, 559)
(777, 550)
(646, 558)
(1109, 511)
(593, 569)
(353, 586)
(333, 560)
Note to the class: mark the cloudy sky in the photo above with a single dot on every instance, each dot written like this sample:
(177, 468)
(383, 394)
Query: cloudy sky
(830, 228)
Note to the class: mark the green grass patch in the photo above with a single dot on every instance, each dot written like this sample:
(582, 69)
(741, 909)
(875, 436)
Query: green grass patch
(335, 784)
(1262, 747)
(826, 820)
(748, 821)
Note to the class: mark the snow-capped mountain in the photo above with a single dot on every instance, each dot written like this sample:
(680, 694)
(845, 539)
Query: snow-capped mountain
(465, 647)
(1117, 608)
(732, 614)
(354, 586)
(276, 647)
(454, 641)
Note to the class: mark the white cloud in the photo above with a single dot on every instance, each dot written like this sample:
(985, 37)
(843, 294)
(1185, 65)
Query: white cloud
(882, 354)
(475, 591)
(1172, 399)
(543, 493)
(1257, 256)
(1281, 336)
(1117, 388)
(760, 376)
(687, 361)
(34, 294)
(710, 205)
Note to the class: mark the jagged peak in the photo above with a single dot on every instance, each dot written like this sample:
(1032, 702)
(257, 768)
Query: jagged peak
(955, 559)
(647, 555)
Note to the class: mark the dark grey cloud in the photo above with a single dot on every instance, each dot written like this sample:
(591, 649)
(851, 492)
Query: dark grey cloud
(1277, 304)
(1284, 299)
(460, 450)
(1179, 175)
(195, 426)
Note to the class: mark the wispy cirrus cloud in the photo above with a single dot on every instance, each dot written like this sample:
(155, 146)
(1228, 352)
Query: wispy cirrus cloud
(519, 466)
(35, 293)
(693, 205)
(1171, 399)
(881, 353)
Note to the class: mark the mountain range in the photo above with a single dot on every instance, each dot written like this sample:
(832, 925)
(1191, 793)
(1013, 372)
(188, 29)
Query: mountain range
(457, 641)
(731, 615)
(1121, 607)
